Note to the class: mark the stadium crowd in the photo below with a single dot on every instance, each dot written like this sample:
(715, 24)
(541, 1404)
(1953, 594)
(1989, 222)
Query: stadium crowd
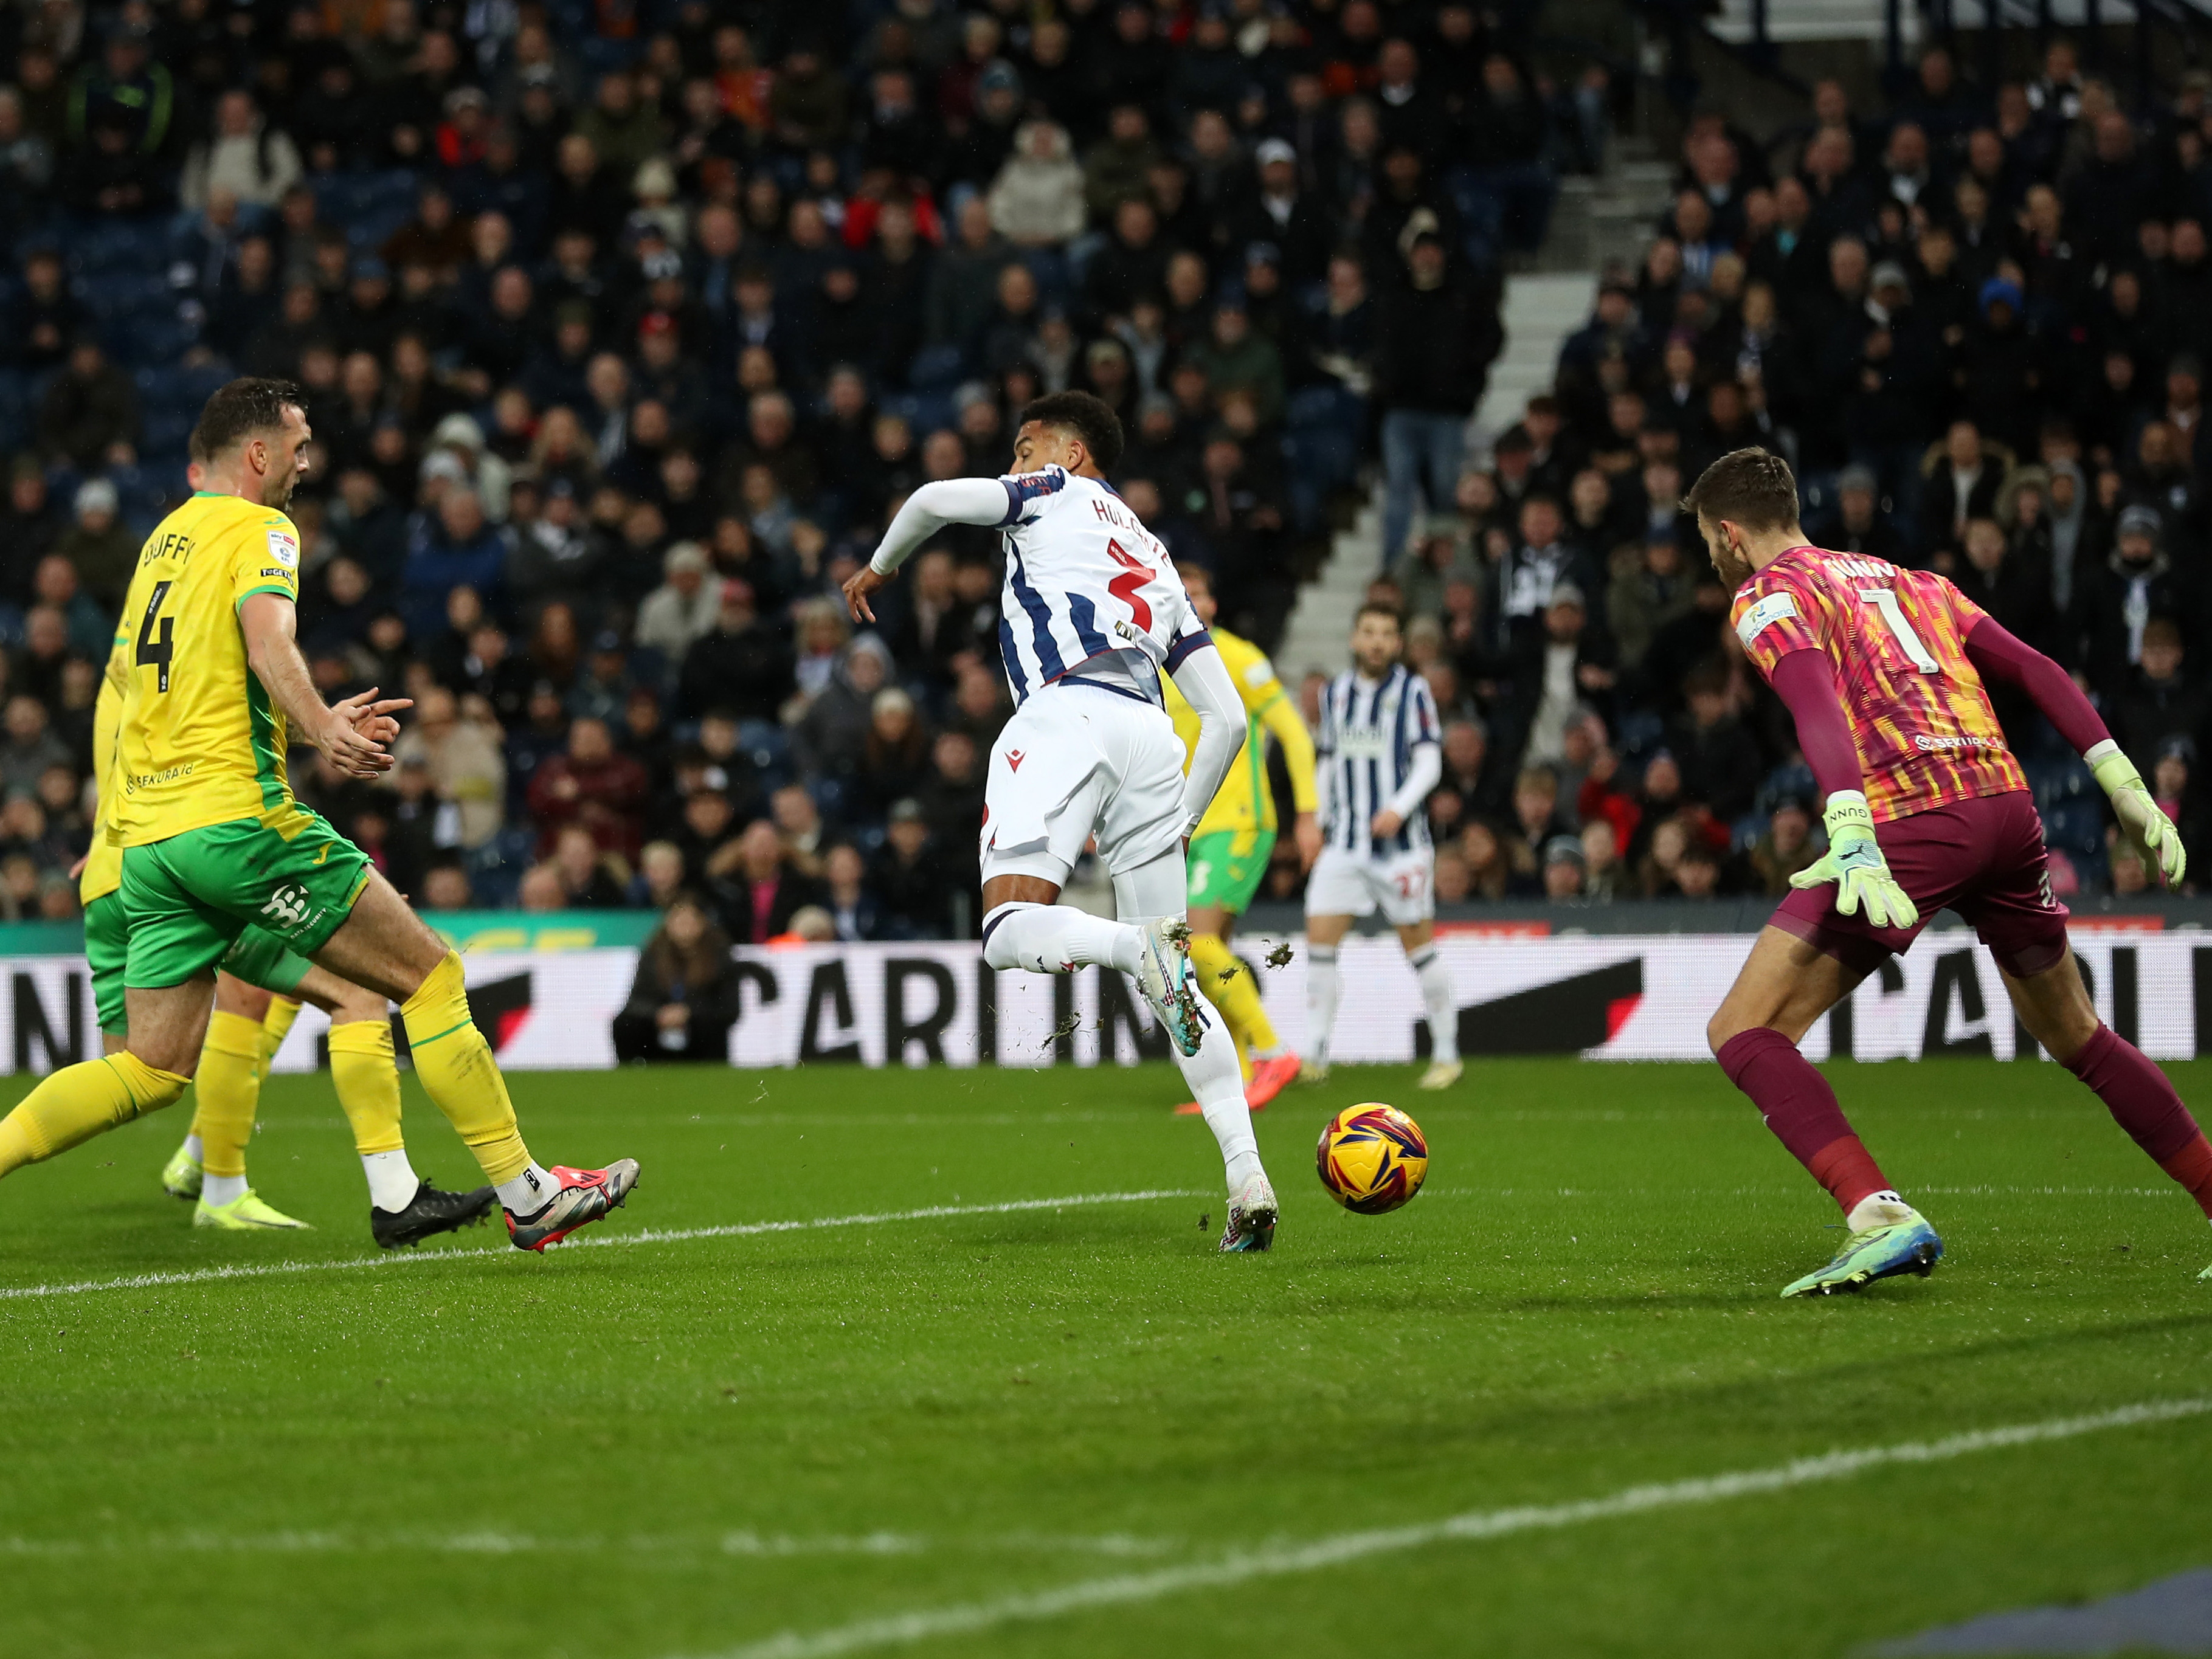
(1977, 322)
(624, 328)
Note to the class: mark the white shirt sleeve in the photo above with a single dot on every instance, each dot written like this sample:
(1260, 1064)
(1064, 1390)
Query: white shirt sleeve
(1203, 678)
(932, 506)
(1427, 769)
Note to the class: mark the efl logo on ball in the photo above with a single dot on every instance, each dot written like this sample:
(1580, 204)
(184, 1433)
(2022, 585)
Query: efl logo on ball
(1372, 1157)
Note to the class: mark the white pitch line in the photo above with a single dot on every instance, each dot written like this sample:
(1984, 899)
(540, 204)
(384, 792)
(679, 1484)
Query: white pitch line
(744, 1543)
(648, 1236)
(1123, 1589)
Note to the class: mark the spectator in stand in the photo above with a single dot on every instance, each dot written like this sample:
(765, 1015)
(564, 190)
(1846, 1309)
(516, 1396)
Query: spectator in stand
(464, 763)
(90, 628)
(101, 551)
(591, 878)
(685, 998)
(855, 910)
(593, 786)
(915, 902)
(743, 665)
(1437, 337)
(685, 609)
(449, 546)
(27, 749)
(246, 159)
(758, 892)
(89, 415)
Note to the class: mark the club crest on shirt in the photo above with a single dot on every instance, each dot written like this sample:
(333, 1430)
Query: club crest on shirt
(1774, 608)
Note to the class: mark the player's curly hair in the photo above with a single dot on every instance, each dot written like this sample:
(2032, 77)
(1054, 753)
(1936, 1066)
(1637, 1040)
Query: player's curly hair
(1089, 416)
(246, 405)
(1753, 488)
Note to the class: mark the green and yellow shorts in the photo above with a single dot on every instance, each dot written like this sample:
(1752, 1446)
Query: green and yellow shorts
(258, 958)
(189, 902)
(1227, 866)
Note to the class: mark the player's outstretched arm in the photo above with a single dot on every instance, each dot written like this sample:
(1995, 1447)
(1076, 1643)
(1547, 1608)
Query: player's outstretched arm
(354, 733)
(1280, 716)
(1203, 678)
(1854, 861)
(921, 515)
(1998, 655)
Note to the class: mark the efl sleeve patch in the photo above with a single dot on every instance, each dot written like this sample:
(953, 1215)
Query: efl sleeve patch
(284, 548)
(1258, 672)
(1774, 608)
(1028, 494)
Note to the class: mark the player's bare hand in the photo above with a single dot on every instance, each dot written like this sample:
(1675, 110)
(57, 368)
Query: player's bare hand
(371, 716)
(1385, 823)
(353, 739)
(1305, 832)
(77, 869)
(857, 585)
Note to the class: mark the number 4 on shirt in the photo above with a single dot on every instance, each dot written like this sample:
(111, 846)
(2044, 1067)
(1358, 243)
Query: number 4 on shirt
(153, 652)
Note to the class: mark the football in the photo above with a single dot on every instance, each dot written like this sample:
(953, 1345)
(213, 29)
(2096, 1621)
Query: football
(1372, 1157)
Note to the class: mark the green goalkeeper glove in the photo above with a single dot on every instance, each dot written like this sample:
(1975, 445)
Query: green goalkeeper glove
(2147, 825)
(1854, 862)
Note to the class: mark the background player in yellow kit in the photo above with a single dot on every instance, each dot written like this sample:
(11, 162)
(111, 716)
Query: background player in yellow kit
(213, 841)
(1229, 851)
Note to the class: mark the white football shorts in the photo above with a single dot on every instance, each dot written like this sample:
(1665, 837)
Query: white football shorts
(1077, 761)
(1401, 885)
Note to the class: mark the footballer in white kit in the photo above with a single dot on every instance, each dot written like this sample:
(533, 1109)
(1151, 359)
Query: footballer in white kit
(1093, 611)
(1377, 754)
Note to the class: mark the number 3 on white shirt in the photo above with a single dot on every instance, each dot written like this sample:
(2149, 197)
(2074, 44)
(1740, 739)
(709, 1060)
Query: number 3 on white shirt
(1884, 600)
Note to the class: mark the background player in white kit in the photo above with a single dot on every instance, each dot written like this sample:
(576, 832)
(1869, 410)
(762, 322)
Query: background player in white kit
(1092, 611)
(1377, 754)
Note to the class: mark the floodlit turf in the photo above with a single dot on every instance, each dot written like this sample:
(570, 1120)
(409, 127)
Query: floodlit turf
(690, 1447)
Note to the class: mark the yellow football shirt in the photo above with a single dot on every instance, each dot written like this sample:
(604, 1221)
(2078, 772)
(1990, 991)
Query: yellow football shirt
(1244, 801)
(103, 860)
(200, 742)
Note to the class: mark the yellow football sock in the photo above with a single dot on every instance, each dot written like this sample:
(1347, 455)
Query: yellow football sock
(459, 1072)
(78, 1102)
(368, 1080)
(229, 1082)
(275, 1026)
(1235, 995)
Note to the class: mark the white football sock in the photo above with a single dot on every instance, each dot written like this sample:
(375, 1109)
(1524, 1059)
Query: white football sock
(1876, 1210)
(1218, 1083)
(529, 1192)
(193, 1149)
(1436, 996)
(216, 1190)
(1321, 1000)
(1058, 938)
(393, 1181)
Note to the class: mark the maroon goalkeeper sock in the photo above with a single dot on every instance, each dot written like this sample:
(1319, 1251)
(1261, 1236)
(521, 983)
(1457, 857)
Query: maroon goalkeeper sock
(1801, 1109)
(2142, 1100)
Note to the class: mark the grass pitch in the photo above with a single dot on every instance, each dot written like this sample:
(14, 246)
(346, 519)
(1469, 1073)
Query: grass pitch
(945, 1434)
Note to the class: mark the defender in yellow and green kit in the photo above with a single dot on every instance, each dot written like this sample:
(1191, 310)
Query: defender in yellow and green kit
(259, 992)
(212, 842)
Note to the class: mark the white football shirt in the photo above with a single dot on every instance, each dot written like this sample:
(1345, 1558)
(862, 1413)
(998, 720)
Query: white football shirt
(1089, 590)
